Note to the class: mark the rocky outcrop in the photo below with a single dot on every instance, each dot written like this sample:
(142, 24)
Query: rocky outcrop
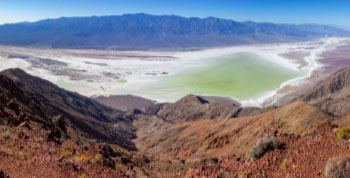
(192, 108)
(3, 174)
(332, 94)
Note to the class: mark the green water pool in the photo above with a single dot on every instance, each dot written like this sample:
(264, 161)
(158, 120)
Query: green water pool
(242, 76)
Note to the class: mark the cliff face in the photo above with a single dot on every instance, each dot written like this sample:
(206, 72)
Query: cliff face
(332, 94)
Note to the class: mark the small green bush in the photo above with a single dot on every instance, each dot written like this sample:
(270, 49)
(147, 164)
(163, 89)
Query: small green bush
(25, 155)
(338, 167)
(118, 166)
(66, 154)
(343, 133)
(83, 176)
(263, 146)
(98, 158)
(285, 165)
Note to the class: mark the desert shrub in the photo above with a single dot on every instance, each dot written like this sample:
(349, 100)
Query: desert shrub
(118, 166)
(79, 159)
(98, 159)
(285, 165)
(343, 133)
(223, 174)
(242, 175)
(83, 176)
(10, 144)
(88, 159)
(25, 155)
(263, 146)
(307, 133)
(338, 167)
(83, 158)
(66, 154)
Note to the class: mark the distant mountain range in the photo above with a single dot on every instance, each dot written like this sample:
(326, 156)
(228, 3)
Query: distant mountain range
(143, 31)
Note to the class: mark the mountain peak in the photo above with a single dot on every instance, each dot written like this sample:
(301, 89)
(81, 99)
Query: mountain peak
(192, 99)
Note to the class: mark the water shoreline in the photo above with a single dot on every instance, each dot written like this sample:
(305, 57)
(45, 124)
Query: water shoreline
(93, 73)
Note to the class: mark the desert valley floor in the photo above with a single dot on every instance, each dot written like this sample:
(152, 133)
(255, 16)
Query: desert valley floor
(257, 75)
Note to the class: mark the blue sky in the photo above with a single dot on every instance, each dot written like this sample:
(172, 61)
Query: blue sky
(333, 12)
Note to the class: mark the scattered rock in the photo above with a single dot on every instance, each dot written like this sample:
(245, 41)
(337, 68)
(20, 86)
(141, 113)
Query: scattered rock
(54, 135)
(25, 124)
(13, 106)
(108, 151)
(3, 174)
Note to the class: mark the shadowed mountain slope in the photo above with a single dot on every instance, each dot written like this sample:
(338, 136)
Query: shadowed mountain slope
(31, 99)
(143, 31)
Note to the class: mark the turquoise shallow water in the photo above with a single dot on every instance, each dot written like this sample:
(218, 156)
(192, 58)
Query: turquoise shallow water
(242, 76)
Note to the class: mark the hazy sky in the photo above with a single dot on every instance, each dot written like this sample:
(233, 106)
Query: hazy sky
(334, 12)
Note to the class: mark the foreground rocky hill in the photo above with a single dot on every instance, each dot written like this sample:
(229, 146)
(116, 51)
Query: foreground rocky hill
(46, 131)
(29, 98)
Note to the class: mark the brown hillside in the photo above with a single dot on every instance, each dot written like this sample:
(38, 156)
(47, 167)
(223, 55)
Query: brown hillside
(192, 108)
(225, 137)
(25, 98)
(297, 157)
